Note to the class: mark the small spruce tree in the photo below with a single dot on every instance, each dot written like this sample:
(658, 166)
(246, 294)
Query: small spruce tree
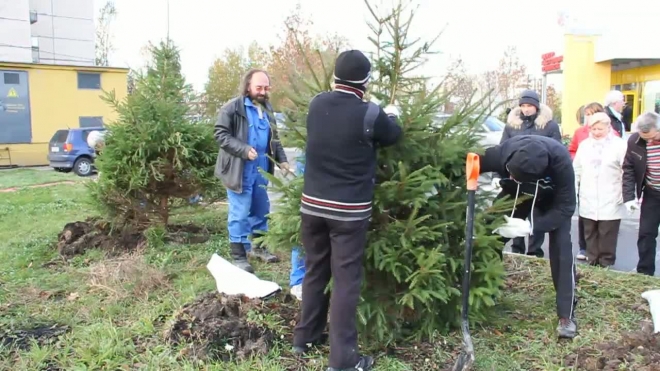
(153, 155)
(414, 257)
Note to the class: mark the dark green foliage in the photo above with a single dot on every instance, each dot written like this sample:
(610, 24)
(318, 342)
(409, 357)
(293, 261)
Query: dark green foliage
(414, 258)
(154, 156)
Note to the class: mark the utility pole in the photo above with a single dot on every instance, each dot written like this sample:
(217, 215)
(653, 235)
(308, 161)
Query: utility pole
(168, 21)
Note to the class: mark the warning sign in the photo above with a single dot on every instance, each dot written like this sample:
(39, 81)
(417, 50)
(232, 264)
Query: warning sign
(12, 93)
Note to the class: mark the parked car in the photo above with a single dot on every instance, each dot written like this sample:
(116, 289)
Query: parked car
(492, 129)
(68, 151)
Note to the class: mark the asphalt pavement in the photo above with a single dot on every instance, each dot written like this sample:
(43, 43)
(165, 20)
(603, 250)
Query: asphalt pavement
(627, 256)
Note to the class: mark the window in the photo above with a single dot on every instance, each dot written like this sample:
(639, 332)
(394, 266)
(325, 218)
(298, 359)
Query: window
(12, 78)
(60, 136)
(91, 121)
(494, 124)
(33, 17)
(89, 80)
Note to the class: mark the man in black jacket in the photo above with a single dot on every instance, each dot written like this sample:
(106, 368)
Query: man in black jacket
(641, 177)
(542, 168)
(343, 132)
(247, 134)
(531, 117)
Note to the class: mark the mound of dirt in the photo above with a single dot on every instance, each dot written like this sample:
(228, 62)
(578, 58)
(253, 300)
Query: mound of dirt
(639, 351)
(218, 327)
(22, 339)
(78, 237)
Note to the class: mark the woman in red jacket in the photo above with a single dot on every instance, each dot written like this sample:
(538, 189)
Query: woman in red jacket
(582, 132)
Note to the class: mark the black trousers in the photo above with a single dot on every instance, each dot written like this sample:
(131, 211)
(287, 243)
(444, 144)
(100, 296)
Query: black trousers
(602, 237)
(649, 221)
(562, 262)
(582, 241)
(333, 249)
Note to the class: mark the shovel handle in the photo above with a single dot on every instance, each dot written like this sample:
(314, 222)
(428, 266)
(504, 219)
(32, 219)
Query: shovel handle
(472, 171)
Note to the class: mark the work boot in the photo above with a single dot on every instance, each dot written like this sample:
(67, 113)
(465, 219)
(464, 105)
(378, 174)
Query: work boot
(365, 364)
(567, 328)
(261, 252)
(239, 257)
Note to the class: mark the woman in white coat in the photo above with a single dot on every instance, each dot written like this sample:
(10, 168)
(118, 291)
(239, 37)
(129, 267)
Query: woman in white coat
(598, 174)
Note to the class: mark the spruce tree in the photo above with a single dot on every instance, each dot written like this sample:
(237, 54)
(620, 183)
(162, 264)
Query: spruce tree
(414, 257)
(154, 156)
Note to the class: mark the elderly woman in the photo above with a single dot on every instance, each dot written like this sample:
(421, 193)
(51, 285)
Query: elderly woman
(582, 133)
(598, 176)
(641, 180)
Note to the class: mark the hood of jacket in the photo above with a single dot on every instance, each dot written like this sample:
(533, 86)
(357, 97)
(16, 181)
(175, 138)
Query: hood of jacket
(526, 158)
(543, 116)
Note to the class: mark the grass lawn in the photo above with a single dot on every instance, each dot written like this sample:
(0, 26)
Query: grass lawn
(16, 178)
(97, 313)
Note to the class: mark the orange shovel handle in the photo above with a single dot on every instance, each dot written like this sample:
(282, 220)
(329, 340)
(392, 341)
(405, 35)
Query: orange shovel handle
(472, 171)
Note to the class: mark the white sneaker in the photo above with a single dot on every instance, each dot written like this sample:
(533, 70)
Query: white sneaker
(582, 255)
(297, 291)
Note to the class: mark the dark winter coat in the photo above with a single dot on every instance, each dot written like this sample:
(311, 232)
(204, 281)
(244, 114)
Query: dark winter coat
(617, 124)
(543, 168)
(231, 132)
(539, 124)
(343, 133)
(634, 168)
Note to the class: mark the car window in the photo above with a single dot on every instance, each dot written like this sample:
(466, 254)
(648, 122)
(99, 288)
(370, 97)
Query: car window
(493, 124)
(60, 136)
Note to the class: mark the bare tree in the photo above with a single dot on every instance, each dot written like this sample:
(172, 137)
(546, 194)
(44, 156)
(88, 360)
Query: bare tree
(103, 35)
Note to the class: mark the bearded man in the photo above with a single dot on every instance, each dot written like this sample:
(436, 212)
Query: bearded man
(246, 132)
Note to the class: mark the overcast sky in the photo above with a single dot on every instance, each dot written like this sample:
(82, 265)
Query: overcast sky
(478, 31)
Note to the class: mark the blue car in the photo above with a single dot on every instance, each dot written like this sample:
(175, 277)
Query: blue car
(68, 150)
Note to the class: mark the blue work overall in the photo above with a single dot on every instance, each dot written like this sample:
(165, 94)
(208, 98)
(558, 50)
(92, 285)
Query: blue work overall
(297, 258)
(248, 209)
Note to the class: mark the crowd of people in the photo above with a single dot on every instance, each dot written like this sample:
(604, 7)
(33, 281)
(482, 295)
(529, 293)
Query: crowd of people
(599, 174)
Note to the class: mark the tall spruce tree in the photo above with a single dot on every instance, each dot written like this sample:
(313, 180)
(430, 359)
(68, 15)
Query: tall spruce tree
(153, 154)
(414, 257)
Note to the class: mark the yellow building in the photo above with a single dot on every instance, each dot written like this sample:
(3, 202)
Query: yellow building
(595, 64)
(36, 100)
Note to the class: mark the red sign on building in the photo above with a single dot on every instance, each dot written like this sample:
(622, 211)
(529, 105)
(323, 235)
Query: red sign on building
(550, 62)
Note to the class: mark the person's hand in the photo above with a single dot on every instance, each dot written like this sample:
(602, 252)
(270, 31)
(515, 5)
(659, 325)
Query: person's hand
(392, 110)
(495, 183)
(252, 154)
(514, 227)
(631, 206)
(285, 166)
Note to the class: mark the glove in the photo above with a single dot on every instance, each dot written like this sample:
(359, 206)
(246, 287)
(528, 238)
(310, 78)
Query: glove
(631, 206)
(392, 110)
(495, 183)
(514, 227)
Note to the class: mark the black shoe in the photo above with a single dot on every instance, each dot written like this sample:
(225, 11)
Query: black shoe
(239, 257)
(366, 363)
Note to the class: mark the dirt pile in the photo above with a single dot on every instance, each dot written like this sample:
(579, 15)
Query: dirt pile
(639, 351)
(78, 237)
(220, 327)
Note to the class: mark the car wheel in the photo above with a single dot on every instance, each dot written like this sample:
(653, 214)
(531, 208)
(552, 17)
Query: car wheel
(82, 167)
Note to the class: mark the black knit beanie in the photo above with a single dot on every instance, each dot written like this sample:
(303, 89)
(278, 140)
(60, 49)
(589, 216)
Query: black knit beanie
(353, 69)
(530, 97)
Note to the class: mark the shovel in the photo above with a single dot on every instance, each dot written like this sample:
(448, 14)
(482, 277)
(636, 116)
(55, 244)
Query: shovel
(466, 358)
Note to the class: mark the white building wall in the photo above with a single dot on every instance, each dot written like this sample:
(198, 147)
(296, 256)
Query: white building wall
(15, 42)
(65, 31)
